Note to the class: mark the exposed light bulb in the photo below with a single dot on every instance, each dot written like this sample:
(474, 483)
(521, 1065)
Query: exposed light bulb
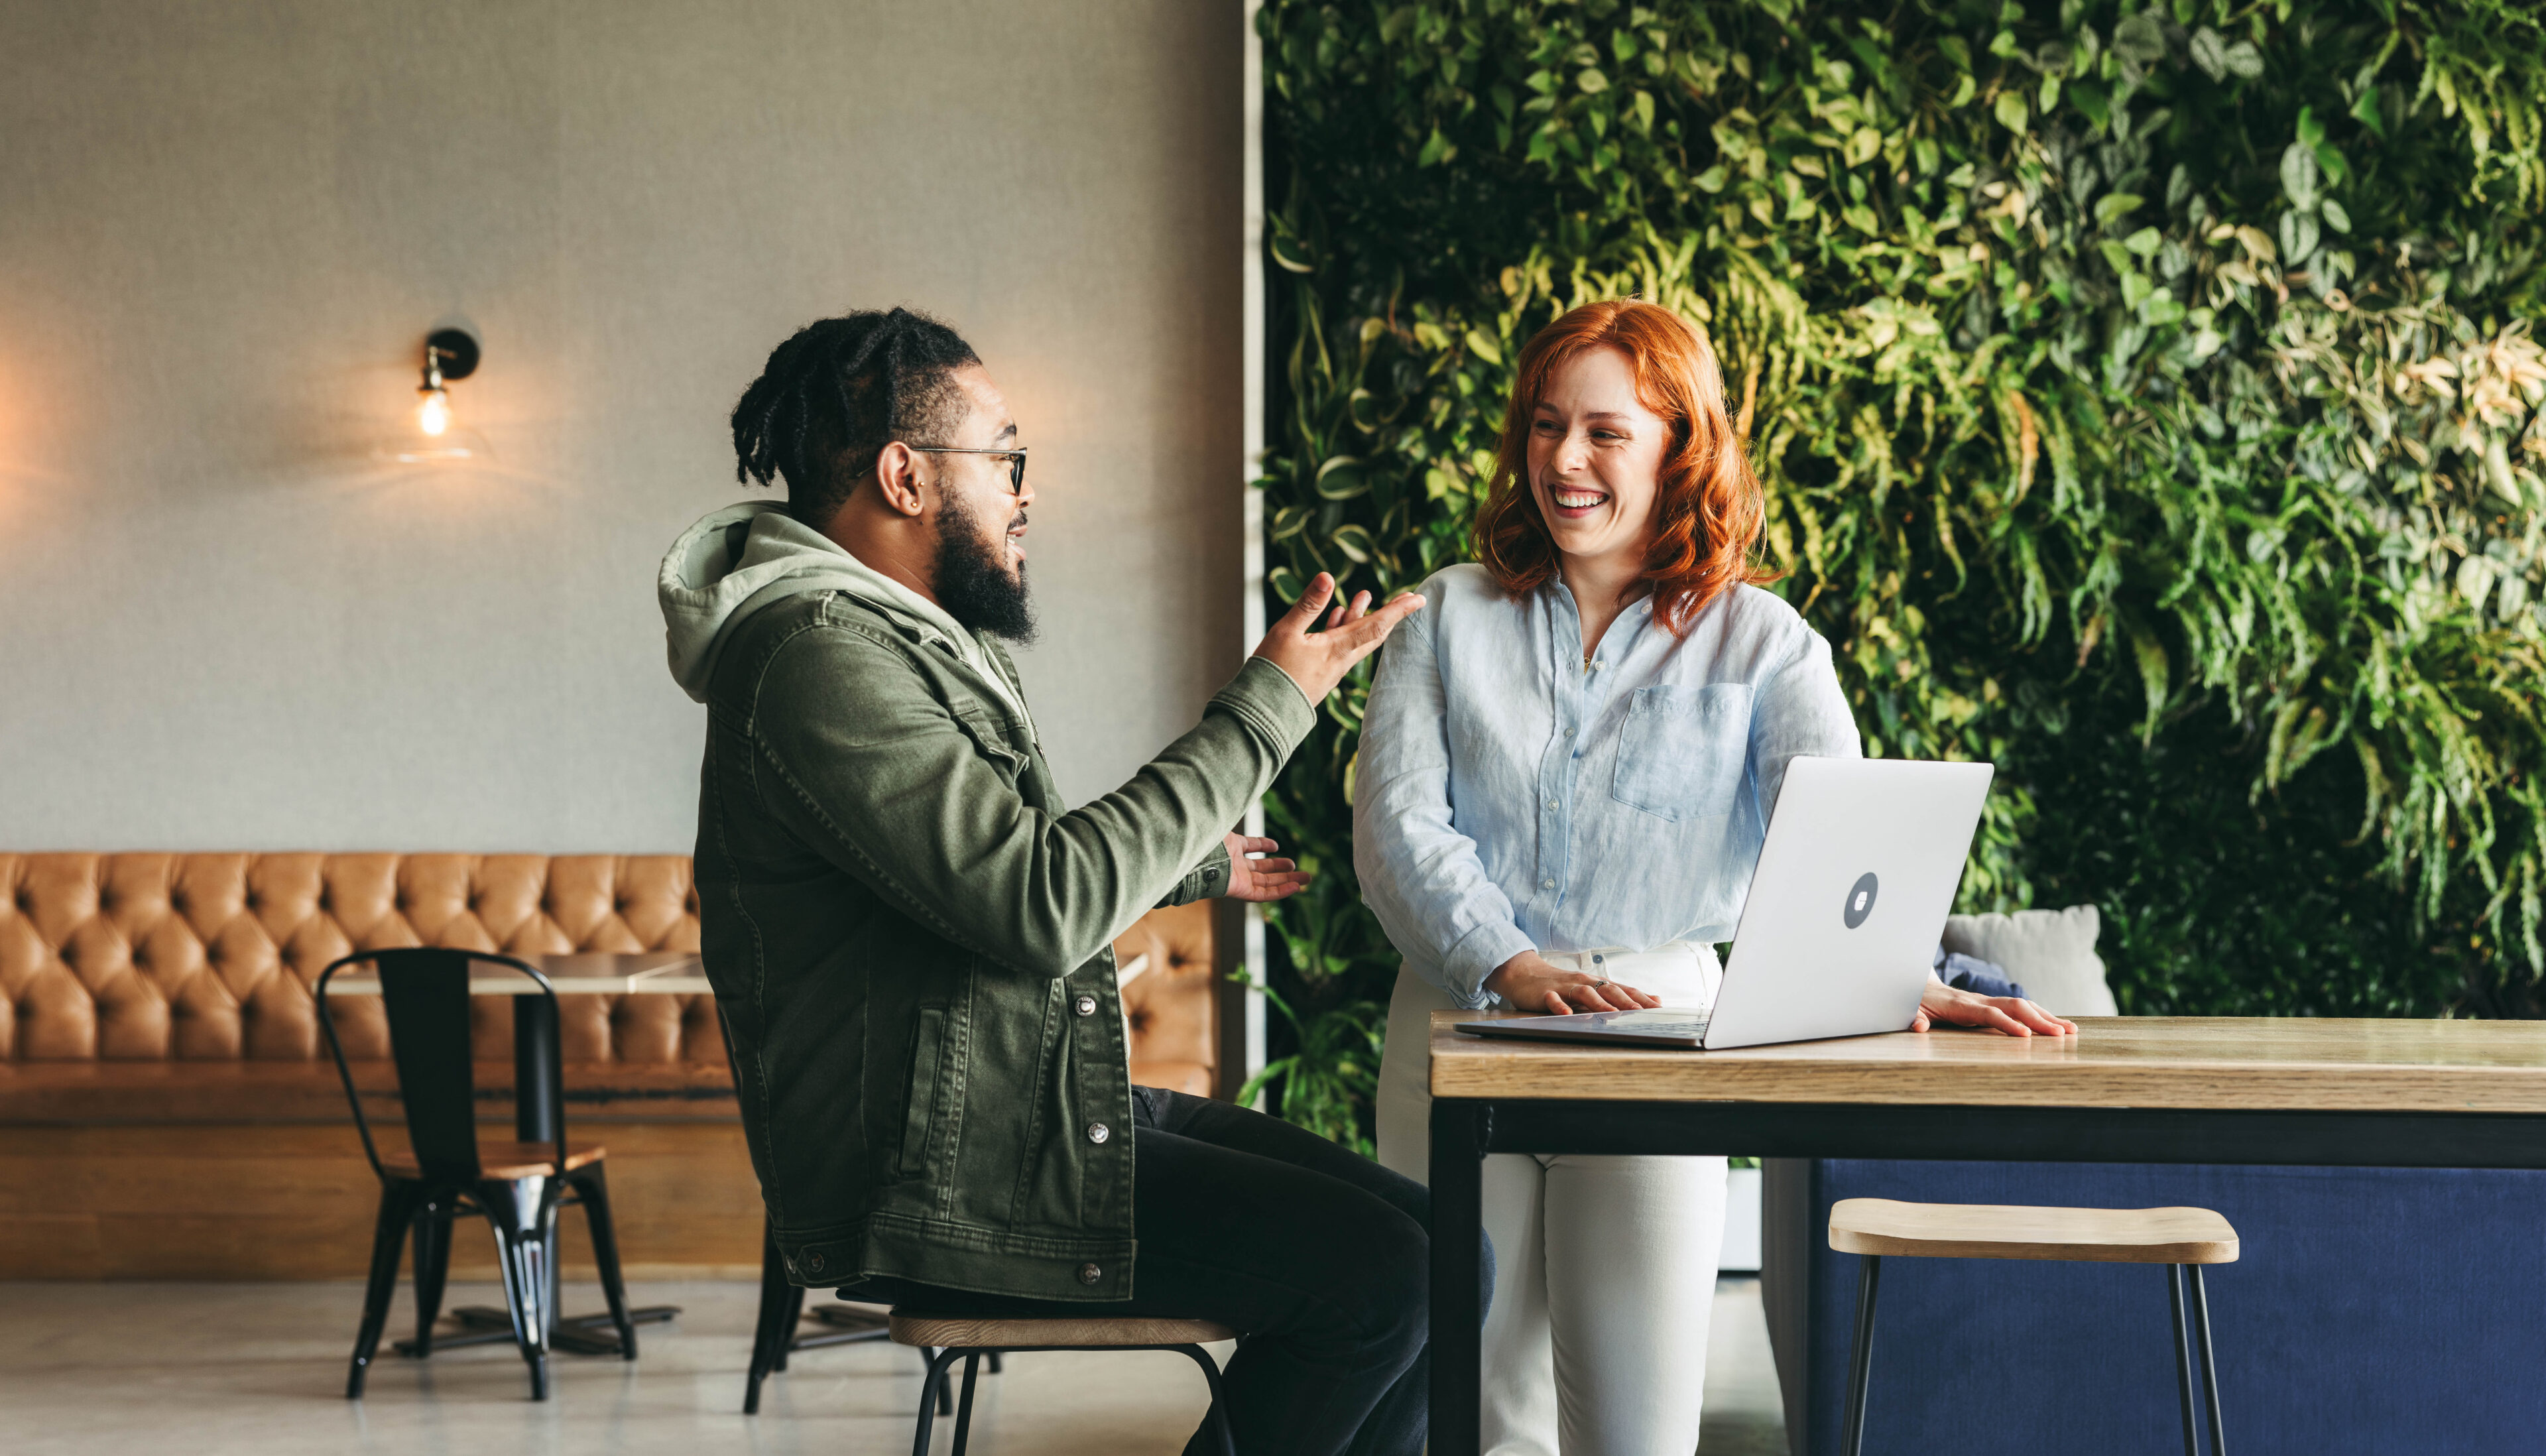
(431, 434)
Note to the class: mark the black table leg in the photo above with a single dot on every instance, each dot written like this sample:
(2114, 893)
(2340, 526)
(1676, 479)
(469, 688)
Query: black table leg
(538, 1088)
(1459, 1136)
(538, 1108)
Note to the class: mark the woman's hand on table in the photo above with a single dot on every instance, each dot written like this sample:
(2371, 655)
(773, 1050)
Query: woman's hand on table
(1261, 881)
(1532, 982)
(2006, 1015)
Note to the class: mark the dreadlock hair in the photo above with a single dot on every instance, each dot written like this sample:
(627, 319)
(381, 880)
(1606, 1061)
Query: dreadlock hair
(834, 397)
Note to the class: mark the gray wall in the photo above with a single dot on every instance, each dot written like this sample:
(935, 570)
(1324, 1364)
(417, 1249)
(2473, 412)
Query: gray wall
(226, 229)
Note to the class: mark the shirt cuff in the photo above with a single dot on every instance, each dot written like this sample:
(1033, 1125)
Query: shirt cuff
(1203, 880)
(1475, 957)
(1264, 695)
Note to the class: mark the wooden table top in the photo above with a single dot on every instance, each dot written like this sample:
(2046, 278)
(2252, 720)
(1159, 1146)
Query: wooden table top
(584, 972)
(2219, 1063)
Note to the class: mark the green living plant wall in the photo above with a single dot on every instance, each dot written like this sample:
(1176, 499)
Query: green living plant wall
(2147, 400)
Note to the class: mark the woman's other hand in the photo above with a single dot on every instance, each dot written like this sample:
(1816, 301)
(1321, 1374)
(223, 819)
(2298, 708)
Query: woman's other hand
(1532, 982)
(1261, 881)
(2006, 1015)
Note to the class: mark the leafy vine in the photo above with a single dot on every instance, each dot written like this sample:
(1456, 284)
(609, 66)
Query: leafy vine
(2146, 400)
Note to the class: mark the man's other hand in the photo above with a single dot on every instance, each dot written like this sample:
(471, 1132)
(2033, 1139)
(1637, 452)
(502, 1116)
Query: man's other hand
(1317, 660)
(1262, 880)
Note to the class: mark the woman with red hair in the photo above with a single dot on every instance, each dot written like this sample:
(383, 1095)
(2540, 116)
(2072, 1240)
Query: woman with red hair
(1568, 765)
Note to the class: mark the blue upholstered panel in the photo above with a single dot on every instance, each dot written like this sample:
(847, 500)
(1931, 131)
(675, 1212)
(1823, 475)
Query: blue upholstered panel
(2375, 1311)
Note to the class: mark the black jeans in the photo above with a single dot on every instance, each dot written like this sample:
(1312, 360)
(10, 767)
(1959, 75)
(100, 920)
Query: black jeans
(1320, 1256)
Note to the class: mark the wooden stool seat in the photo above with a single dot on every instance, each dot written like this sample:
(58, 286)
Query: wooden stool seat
(1097, 1331)
(2181, 1239)
(503, 1160)
(1984, 1231)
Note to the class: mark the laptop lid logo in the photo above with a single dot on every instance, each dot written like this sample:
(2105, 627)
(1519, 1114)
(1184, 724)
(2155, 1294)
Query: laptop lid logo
(1860, 900)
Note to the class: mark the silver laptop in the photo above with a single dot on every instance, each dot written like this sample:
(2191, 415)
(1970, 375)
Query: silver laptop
(1846, 908)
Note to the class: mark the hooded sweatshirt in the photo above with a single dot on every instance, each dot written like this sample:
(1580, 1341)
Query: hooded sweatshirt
(735, 562)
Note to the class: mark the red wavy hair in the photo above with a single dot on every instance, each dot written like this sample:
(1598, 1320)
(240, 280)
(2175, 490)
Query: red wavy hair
(1710, 510)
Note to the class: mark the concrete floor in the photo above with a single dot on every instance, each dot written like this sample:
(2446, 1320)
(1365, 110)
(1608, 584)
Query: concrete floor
(259, 1370)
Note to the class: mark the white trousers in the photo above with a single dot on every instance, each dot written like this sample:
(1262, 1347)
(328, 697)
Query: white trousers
(1604, 1267)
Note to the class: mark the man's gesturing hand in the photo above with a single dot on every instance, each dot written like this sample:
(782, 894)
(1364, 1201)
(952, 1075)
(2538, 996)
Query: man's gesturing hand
(1261, 880)
(1317, 660)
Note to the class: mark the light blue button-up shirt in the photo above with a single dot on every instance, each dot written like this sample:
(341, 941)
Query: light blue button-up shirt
(1511, 798)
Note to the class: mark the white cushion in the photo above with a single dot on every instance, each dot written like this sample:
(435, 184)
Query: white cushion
(2049, 953)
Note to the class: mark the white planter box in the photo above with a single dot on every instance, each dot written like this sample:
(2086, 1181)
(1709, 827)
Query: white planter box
(1740, 1222)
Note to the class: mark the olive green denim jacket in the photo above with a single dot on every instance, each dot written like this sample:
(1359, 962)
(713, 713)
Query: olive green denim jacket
(909, 941)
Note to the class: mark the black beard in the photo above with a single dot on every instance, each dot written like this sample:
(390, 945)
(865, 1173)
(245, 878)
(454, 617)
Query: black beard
(973, 581)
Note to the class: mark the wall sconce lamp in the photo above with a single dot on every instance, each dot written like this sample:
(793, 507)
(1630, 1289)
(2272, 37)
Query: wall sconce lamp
(434, 433)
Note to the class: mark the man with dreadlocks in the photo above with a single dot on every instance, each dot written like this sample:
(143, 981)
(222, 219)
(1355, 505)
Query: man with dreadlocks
(909, 935)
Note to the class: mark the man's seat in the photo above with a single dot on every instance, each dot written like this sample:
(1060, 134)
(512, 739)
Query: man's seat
(1096, 1332)
(1168, 969)
(945, 1337)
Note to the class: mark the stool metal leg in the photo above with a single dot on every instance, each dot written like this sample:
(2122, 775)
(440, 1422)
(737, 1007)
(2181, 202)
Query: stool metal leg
(1217, 1416)
(1860, 1360)
(964, 1412)
(929, 1391)
(2182, 1358)
(2209, 1366)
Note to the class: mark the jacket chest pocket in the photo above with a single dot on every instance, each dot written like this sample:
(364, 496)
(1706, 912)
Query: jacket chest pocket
(1684, 750)
(993, 740)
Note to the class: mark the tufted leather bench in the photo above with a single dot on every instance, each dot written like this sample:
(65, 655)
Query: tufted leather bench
(147, 1001)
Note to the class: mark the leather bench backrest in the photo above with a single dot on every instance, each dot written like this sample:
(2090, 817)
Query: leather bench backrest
(1171, 1006)
(211, 956)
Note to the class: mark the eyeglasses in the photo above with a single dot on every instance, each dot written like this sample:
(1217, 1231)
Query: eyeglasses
(1016, 460)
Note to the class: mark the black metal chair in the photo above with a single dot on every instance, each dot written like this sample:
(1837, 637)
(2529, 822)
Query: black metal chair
(448, 1172)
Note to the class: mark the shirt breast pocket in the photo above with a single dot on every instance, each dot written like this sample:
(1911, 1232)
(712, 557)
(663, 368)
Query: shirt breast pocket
(1684, 749)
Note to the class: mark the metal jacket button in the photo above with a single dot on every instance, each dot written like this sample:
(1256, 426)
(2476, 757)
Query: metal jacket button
(1089, 1273)
(1085, 1005)
(1098, 1131)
